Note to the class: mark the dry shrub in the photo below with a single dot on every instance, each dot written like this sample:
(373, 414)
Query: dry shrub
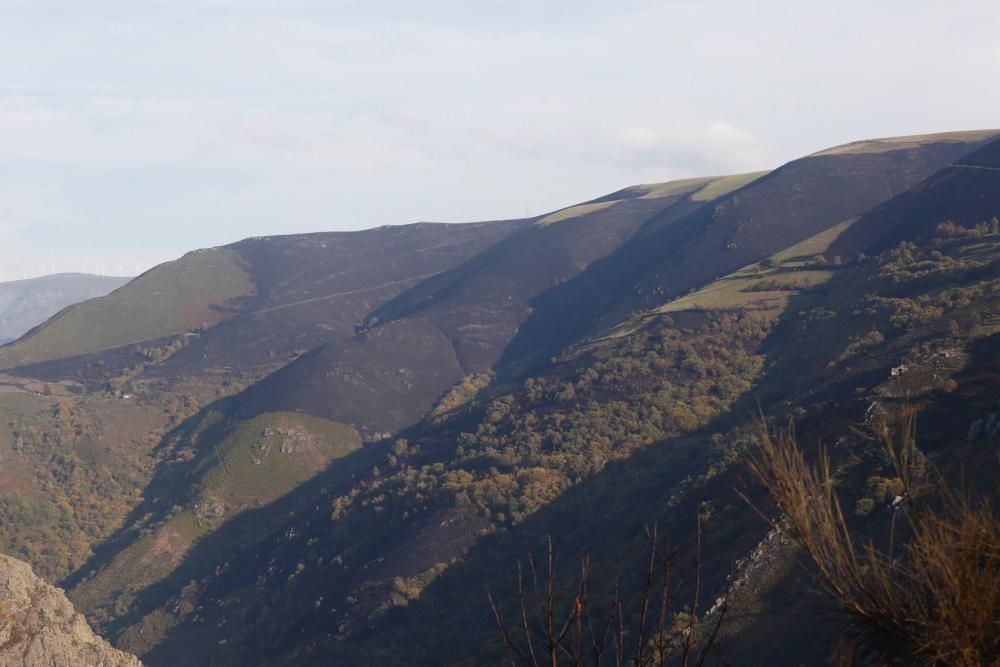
(545, 633)
(938, 600)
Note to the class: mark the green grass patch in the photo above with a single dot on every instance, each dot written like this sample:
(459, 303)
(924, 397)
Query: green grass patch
(172, 298)
(723, 185)
(573, 212)
(704, 188)
(672, 188)
(269, 455)
(814, 245)
(766, 284)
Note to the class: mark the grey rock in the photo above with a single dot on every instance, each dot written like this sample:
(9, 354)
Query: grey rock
(40, 628)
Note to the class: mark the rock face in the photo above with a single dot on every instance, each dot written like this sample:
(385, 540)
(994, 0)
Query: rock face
(39, 627)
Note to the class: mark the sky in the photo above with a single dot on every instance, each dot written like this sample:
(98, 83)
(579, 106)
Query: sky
(132, 132)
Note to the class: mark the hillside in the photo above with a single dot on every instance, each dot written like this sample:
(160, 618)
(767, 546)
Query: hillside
(412, 349)
(790, 204)
(584, 267)
(87, 422)
(934, 303)
(329, 453)
(392, 354)
(282, 294)
(199, 290)
(964, 192)
(24, 304)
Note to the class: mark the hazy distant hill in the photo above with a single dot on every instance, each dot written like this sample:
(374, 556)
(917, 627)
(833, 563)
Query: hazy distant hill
(25, 304)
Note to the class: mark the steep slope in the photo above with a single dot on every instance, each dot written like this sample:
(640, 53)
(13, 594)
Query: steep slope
(671, 257)
(218, 469)
(480, 304)
(81, 436)
(928, 309)
(72, 465)
(284, 294)
(647, 424)
(410, 350)
(199, 290)
(25, 304)
(395, 370)
(39, 628)
(934, 304)
(316, 287)
(965, 192)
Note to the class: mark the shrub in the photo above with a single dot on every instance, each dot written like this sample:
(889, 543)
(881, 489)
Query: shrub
(939, 602)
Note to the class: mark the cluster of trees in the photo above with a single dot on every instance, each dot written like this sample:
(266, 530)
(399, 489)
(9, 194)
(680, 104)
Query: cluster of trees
(462, 393)
(81, 496)
(949, 230)
(916, 287)
(558, 428)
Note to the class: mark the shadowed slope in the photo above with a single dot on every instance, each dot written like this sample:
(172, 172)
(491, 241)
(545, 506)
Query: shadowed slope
(532, 457)
(316, 287)
(669, 257)
(257, 301)
(412, 349)
(966, 192)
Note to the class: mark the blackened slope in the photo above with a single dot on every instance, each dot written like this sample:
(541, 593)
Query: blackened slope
(310, 265)
(413, 349)
(966, 192)
(377, 382)
(481, 303)
(670, 257)
(313, 288)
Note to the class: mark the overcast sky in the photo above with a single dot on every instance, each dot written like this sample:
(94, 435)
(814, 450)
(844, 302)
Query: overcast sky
(133, 131)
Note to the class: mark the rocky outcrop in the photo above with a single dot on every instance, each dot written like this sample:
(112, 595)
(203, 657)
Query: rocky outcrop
(39, 627)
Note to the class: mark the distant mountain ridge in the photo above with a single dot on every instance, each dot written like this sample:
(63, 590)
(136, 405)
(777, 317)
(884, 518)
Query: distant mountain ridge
(24, 304)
